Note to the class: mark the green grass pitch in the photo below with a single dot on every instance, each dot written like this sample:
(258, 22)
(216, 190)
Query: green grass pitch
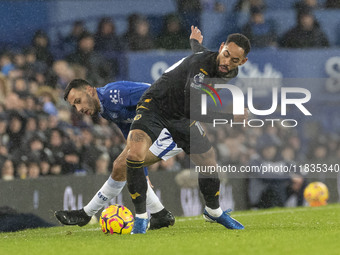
(275, 231)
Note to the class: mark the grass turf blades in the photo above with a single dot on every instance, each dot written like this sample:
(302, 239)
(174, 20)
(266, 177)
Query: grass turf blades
(302, 230)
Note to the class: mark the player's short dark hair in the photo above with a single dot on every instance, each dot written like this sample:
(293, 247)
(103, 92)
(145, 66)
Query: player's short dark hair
(241, 41)
(75, 84)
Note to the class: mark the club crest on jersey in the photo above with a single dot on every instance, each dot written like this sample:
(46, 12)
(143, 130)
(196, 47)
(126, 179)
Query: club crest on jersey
(197, 81)
(115, 96)
(138, 116)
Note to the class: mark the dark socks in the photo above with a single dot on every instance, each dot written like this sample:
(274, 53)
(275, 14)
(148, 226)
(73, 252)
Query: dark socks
(137, 184)
(210, 186)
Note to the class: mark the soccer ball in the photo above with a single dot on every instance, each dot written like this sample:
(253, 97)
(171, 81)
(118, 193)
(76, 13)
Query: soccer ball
(116, 219)
(316, 194)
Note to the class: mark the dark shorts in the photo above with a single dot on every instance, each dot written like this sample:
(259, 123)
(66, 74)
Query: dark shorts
(188, 134)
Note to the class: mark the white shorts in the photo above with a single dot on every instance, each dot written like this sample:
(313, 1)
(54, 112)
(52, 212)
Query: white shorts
(164, 147)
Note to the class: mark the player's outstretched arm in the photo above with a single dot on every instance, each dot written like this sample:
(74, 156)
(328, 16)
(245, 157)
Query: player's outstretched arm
(196, 39)
(196, 34)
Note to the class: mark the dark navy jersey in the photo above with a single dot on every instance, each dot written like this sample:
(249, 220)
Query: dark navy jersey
(176, 90)
(118, 101)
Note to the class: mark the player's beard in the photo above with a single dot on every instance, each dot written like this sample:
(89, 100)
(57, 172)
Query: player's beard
(94, 104)
(219, 73)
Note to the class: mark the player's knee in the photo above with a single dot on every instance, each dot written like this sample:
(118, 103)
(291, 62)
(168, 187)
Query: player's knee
(205, 159)
(139, 143)
(209, 155)
(150, 159)
(136, 154)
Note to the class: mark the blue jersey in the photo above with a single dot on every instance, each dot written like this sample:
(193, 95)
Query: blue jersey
(118, 101)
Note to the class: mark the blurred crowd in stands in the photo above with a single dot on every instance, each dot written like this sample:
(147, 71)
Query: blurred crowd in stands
(306, 33)
(40, 135)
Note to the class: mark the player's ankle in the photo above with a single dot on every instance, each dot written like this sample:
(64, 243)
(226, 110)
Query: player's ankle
(87, 212)
(214, 212)
(142, 215)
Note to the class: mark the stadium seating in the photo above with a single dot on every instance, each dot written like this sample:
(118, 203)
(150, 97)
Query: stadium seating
(287, 4)
(284, 19)
(58, 16)
(329, 21)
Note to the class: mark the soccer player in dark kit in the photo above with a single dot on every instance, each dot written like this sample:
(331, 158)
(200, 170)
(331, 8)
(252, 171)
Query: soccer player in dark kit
(166, 104)
(117, 103)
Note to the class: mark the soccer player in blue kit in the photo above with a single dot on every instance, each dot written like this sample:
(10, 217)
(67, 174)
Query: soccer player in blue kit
(117, 103)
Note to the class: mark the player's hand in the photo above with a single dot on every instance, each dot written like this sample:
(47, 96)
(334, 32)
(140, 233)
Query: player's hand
(196, 34)
(241, 118)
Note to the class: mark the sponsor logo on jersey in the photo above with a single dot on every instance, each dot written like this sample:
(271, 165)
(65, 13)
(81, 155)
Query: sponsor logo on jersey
(203, 71)
(197, 81)
(207, 88)
(115, 96)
